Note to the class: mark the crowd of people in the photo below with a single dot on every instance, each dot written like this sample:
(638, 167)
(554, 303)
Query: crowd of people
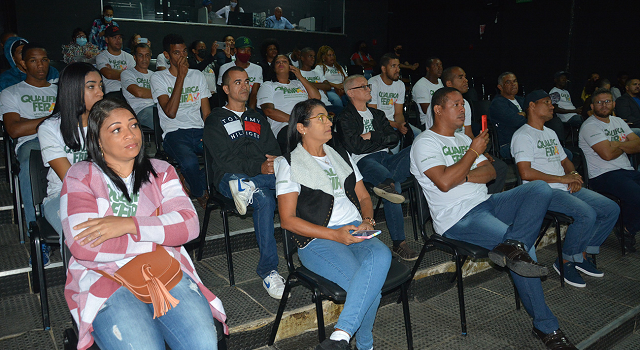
(296, 133)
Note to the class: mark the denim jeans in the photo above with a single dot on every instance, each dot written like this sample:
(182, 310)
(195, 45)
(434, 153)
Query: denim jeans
(334, 98)
(124, 322)
(516, 214)
(264, 206)
(375, 169)
(361, 270)
(594, 216)
(184, 145)
(624, 184)
(24, 177)
(145, 117)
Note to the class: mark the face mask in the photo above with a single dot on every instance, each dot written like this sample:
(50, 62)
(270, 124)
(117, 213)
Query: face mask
(233, 4)
(202, 53)
(243, 57)
(81, 41)
(108, 19)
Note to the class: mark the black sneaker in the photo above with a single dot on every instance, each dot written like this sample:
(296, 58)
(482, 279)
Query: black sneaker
(404, 252)
(388, 192)
(329, 344)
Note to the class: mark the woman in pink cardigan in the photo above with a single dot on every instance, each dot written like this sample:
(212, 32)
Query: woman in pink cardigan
(108, 208)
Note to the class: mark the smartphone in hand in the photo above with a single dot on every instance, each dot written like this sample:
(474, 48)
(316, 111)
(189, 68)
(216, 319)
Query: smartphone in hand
(366, 234)
(484, 122)
(222, 45)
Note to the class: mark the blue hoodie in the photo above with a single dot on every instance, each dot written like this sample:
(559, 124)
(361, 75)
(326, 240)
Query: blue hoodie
(15, 75)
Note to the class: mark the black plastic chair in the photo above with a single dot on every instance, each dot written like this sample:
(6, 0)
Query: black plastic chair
(408, 187)
(459, 249)
(13, 170)
(40, 232)
(398, 276)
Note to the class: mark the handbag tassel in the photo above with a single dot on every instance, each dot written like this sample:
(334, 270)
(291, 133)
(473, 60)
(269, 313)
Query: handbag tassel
(161, 299)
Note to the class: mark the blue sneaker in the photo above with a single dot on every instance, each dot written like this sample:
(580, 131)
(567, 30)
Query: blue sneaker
(589, 268)
(571, 275)
(46, 251)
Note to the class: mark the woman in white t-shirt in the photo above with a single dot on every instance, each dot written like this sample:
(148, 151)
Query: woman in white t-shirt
(232, 7)
(62, 136)
(335, 75)
(277, 97)
(321, 200)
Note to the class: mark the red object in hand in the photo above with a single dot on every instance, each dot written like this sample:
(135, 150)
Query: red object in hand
(484, 122)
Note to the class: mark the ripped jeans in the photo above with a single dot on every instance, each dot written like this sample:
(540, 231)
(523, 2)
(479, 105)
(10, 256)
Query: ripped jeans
(124, 322)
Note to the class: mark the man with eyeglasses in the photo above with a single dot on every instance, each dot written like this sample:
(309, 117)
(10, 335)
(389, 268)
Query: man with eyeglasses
(628, 105)
(243, 149)
(366, 133)
(605, 141)
(539, 156)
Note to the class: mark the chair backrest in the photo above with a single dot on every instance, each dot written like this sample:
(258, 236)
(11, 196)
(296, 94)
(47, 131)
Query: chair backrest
(208, 170)
(353, 69)
(157, 129)
(479, 108)
(38, 176)
(423, 208)
(493, 138)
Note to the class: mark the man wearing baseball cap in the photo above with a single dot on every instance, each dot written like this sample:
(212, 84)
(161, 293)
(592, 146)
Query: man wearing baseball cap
(243, 54)
(112, 61)
(539, 156)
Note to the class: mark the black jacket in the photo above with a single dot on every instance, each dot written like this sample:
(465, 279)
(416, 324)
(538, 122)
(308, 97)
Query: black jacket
(240, 147)
(350, 126)
(627, 108)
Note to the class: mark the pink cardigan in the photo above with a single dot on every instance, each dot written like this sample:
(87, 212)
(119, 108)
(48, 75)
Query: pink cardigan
(85, 195)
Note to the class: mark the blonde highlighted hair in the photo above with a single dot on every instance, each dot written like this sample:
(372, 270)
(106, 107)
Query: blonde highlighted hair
(322, 51)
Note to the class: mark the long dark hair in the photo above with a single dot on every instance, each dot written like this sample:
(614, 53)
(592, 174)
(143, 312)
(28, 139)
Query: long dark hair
(300, 114)
(271, 74)
(142, 167)
(70, 103)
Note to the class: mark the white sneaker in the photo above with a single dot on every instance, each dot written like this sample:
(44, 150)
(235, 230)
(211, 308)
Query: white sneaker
(274, 284)
(242, 192)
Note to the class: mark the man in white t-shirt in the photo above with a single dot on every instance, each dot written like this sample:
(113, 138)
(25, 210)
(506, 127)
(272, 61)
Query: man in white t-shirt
(136, 85)
(605, 141)
(366, 134)
(316, 77)
(565, 109)
(24, 106)
(425, 88)
(112, 62)
(453, 172)
(182, 96)
(539, 156)
(243, 54)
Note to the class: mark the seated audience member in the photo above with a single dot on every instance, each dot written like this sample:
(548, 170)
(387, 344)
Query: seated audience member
(277, 97)
(425, 88)
(322, 200)
(79, 50)
(232, 7)
(362, 58)
(589, 87)
(136, 86)
(539, 156)
(268, 51)
(605, 141)
(628, 105)
(121, 205)
(13, 48)
(243, 149)
(294, 56)
(135, 40)
(334, 74)
(228, 54)
(204, 61)
(182, 97)
(366, 133)
(452, 173)
(398, 50)
(4, 63)
(316, 77)
(112, 62)
(621, 85)
(99, 27)
(243, 54)
(506, 111)
(601, 83)
(23, 107)
(563, 106)
(276, 21)
(161, 62)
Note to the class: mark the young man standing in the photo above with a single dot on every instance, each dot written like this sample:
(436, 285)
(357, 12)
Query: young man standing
(136, 85)
(113, 61)
(243, 54)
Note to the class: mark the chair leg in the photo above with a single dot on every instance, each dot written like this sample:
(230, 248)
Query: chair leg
(542, 232)
(559, 247)
(375, 212)
(283, 304)
(463, 317)
(413, 212)
(425, 248)
(227, 244)
(621, 230)
(19, 215)
(203, 232)
(37, 261)
(407, 315)
(319, 315)
(35, 280)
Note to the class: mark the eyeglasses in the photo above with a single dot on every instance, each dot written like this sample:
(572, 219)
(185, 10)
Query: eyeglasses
(323, 118)
(368, 86)
(605, 102)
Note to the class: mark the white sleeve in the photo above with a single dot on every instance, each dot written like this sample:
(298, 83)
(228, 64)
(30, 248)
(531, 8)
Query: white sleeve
(50, 142)
(221, 11)
(101, 60)
(374, 92)
(401, 91)
(625, 127)
(259, 79)
(592, 134)
(202, 85)
(161, 61)
(127, 78)
(522, 148)
(158, 87)
(9, 104)
(131, 63)
(221, 72)
(265, 94)
(421, 94)
(356, 171)
(467, 113)
(284, 184)
(427, 155)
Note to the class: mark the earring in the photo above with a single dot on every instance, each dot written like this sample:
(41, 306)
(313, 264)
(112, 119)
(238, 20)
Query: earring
(304, 133)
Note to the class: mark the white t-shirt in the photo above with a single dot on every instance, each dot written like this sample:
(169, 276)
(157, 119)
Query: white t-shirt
(30, 102)
(467, 117)
(542, 148)
(332, 74)
(315, 76)
(422, 93)
(194, 89)
(594, 131)
(161, 61)
(120, 62)
(53, 147)
(283, 97)
(385, 97)
(225, 11)
(564, 101)
(254, 72)
(515, 103)
(118, 202)
(130, 77)
(367, 120)
(344, 211)
(447, 208)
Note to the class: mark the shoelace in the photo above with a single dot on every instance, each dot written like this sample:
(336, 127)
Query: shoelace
(276, 276)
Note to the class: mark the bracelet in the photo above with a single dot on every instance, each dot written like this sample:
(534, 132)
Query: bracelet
(371, 221)
(474, 151)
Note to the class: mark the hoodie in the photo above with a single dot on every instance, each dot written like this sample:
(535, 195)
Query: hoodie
(15, 75)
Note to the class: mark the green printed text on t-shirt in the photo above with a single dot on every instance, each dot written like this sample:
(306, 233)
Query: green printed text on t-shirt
(550, 147)
(456, 153)
(616, 134)
(189, 93)
(40, 103)
(120, 205)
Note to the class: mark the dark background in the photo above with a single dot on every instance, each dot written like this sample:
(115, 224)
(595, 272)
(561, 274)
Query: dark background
(533, 39)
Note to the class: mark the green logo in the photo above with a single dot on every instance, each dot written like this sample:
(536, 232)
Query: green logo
(40, 103)
(189, 93)
(119, 204)
(456, 153)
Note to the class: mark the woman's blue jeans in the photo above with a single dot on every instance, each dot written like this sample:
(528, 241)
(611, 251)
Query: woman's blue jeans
(360, 269)
(124, 322)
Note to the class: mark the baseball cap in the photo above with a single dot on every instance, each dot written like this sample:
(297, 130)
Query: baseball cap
(112, 31)
(243, 42)
(561, 73)
(534, 96)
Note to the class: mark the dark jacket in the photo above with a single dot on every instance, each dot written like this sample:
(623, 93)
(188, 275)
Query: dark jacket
(316, 206)
(193, 64)
(243, 150)
(627, 108)
(505, 114)
(350, 126)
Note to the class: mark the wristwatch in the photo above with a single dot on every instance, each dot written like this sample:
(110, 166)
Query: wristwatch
(371, 221)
